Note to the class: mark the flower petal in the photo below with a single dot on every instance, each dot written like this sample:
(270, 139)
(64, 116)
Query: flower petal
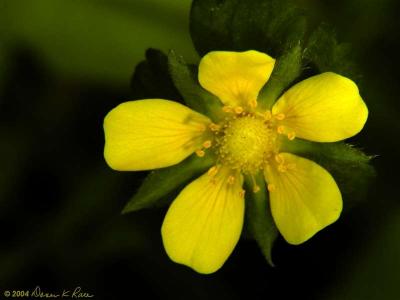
(204, 222)
(150, 134)
(304, 197)
(323, 108)
(235, 77)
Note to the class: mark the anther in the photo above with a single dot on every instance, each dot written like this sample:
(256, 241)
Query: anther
(200, 153)
(291, 136)
(207, 144)
(215, 127)
(271, 187)
(253, 103)
(212, 171)
(280, 129)
(202, 127)
(256, 188)
(280, 116)
(227, 109)
(238, 110)
(231, 180)
(242, 193)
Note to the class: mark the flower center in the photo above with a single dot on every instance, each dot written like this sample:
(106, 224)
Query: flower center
(246, 142)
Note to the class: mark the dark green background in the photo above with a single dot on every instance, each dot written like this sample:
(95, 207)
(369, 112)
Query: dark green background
(65, 64)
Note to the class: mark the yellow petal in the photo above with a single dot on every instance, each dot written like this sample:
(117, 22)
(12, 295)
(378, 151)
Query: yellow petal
(304, 198)
(235, 77)
(150, 134)
(204, 222)
(323, 108)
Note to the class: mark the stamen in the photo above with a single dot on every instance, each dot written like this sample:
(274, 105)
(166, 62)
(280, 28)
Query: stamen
(280, 116)
(238, 110)
(253, 103)
(200, 153)
(207, 144)
(291, 136)
(280, 129)
(244, 141)
(271, 187)
(242, 193)
(212, 171)
(227, 109)
(231, 180)
(268, 115)
(202, 127)
(256, 188)
(215, 127)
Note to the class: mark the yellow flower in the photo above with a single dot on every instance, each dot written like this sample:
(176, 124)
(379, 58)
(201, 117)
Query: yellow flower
(204, 222)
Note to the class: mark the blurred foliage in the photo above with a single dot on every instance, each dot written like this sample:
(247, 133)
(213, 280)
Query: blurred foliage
(65, 64)
(95, 39)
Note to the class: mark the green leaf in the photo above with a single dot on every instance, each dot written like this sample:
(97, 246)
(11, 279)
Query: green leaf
(259, 219)
(270, 26)
(326, 54)
(151, 78)
(185, 79)
(287, 68)
(349, 166)
(211, 25)
(162, 182)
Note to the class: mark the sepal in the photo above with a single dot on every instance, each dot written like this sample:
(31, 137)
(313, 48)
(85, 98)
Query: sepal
(159, 184)
(185, 79)
(349, 166)
(259, 221)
